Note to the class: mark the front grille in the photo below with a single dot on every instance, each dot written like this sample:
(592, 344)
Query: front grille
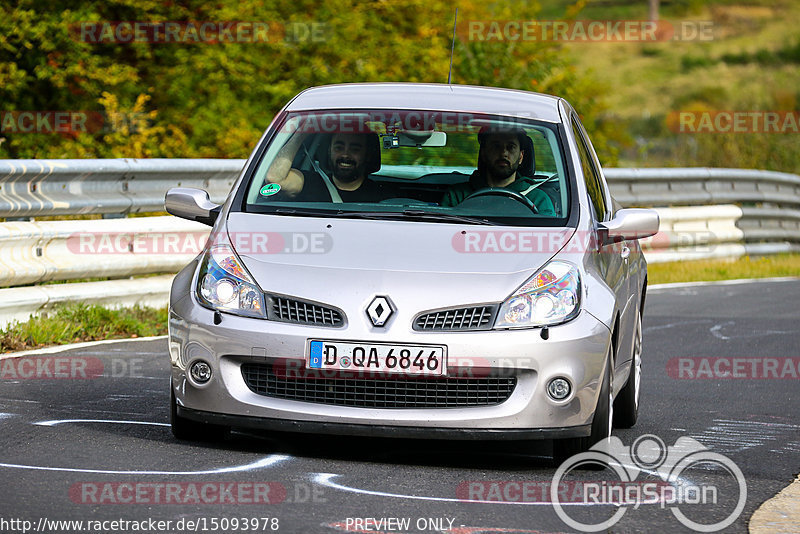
(407, 392)
(474, 318)
(297, 311)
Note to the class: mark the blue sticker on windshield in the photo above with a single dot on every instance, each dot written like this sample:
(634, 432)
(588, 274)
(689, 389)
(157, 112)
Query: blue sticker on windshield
(270, 189)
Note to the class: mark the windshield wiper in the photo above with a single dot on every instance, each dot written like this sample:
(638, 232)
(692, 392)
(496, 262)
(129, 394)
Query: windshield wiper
(305, 212)
(378, 215)
(415, 214)
(301, 212)
(437, 216)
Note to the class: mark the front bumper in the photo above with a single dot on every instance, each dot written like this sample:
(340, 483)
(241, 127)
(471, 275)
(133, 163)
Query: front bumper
(377, 430)
(576, 351)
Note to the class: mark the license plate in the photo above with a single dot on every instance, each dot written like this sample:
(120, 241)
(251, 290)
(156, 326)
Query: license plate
(427, 360)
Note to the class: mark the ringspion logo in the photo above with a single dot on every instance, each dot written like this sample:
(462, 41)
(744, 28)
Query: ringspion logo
(689, 501)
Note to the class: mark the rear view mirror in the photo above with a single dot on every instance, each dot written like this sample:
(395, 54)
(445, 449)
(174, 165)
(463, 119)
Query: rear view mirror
(191, 204)
(414, 138)
(631, 223)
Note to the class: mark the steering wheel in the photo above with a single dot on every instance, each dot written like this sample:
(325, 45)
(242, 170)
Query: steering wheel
(496, 191)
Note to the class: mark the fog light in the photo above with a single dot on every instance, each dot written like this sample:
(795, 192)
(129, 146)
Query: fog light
(200, 371)
(558, 389)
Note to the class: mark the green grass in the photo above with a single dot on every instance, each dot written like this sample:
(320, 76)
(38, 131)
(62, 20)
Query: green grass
(712, 270)
(78, 322)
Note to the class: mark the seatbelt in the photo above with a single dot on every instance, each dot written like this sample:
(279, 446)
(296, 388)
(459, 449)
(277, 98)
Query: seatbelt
(531, 188)
(327, 181)
(534, 186)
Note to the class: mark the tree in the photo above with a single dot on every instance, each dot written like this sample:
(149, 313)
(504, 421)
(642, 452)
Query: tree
(202, 99)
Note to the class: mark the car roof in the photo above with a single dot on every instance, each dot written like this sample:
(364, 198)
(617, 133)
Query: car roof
(429, 96)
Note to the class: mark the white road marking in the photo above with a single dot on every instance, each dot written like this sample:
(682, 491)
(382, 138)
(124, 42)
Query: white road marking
(673, 325)
(680, 285)
(717, 327)
(269, 461)
(61, 348)
(715, 331)
(113, 421)
(326, 479)
(728, 436)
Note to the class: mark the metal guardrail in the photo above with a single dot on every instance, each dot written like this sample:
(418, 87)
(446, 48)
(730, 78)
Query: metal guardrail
(701, 186)
(705, 224)
(34, 252)
(29, 188)
(19, 303)
(32, 187)
(770, 201)
(59, 187)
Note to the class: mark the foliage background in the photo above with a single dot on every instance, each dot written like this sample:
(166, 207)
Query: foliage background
(214, 100)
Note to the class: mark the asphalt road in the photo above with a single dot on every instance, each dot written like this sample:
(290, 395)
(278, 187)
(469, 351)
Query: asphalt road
(100, 449)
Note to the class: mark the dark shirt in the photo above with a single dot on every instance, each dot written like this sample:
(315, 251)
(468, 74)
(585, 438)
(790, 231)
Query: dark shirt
(314, 190)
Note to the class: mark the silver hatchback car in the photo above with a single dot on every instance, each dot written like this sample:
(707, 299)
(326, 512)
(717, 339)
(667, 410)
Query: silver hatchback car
(413, 260)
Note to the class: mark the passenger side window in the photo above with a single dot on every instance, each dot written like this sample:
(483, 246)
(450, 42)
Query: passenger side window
(590, 175)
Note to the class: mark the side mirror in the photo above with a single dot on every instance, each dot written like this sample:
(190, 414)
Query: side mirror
(192, 204)
(631, 223)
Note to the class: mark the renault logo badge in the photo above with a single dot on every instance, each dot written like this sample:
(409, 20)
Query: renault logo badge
(379, 310)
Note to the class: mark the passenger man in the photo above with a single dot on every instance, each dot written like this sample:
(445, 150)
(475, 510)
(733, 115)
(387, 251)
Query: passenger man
(351, 157)
(500, 155)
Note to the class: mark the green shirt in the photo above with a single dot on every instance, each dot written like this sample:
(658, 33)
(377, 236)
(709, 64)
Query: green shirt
(457, 193)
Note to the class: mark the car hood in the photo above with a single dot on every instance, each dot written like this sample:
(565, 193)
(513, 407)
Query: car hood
(309, 256)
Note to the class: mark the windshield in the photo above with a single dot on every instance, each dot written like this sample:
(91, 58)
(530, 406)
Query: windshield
(421, 165)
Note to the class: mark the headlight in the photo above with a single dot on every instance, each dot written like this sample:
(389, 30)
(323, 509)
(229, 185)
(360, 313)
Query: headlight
(551, 296)
(223, 284)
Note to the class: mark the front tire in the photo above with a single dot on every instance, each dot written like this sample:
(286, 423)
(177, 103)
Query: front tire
(601, 423)
(626, 407)
(186, 429)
